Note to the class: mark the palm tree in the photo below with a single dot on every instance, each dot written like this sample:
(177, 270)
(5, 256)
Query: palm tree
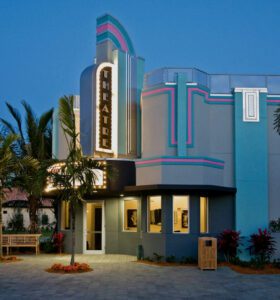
(35, 140)
(10, 165)
(76, 176)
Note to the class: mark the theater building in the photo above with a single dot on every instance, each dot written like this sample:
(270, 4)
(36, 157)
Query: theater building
(192, 153)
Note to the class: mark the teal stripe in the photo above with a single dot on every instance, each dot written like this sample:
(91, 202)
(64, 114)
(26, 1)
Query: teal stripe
(180, 163)
(108, 18)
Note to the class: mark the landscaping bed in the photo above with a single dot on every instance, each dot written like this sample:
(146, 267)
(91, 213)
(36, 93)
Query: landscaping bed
(68, 269)
(9, 259)
(267, 269)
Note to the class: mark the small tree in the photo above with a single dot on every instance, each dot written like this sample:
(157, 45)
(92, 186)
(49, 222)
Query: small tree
(228, 243)
(76, 176)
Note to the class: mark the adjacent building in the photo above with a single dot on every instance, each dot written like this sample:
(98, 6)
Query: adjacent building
(192, 153)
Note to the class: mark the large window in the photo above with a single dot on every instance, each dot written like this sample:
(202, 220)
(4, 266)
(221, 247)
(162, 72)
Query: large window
(65, 215)
(130, 215)
(154, 214)
(181, 213)
(203, 214)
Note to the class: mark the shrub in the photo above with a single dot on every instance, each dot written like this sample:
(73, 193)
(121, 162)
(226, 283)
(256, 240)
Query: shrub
(170, 258)
(276, 263)
(274, 225)
(58, 240)
(188, 260)
(228, 243)
(158, 257)
(262, 245)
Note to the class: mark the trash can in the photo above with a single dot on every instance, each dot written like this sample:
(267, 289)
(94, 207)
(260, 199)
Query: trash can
(207, 253)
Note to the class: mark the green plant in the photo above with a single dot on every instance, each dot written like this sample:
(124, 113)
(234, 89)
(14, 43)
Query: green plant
(170, 258)
(274, 225)
(262, 246)
(147, 258)
(276, 263)
(228, 243)
(158, 258)
(188, 260)
(237, 261)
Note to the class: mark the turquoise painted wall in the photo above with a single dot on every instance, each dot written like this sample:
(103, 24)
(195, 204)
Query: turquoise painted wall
(251, 169)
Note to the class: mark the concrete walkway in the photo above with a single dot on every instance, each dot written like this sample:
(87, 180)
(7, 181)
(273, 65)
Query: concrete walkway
(119, 277)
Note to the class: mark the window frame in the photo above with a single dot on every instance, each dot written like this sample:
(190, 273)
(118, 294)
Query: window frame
(207, 212)
(189, 215)
(148, 214)
(123, 215)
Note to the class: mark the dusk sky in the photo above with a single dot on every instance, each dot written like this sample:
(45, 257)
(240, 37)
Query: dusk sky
(46, 44)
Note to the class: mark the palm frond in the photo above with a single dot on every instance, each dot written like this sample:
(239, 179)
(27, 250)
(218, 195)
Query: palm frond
(16, 115)
(8, 126)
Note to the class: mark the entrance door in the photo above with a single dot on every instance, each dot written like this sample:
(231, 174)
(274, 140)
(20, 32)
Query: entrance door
(94, 234)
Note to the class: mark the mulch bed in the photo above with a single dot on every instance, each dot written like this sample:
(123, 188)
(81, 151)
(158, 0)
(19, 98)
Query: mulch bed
(75, 269)
(9, 259)
(165, 264)
(268, 269)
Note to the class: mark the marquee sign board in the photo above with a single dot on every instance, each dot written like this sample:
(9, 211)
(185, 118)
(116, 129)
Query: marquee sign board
(106, 109)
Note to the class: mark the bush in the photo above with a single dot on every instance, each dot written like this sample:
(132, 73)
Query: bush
(58, 240)
(274, 225)
(158, 257)
(262, 246)
(188, 260)
(228, 243)
(170, 259)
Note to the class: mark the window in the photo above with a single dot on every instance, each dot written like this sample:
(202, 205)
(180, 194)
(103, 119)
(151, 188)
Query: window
(154, 214)
(203, 214)
(130, 215)
(65, 215)
(181, 212)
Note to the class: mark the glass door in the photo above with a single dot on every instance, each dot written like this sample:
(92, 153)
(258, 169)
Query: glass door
(94, 227)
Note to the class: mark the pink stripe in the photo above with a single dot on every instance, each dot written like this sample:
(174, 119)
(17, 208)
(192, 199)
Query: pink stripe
(194, 160)
(273, 101)
(145, 94)
(110, 27)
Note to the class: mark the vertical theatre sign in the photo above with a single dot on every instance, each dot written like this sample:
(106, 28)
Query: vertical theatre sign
(106, 109)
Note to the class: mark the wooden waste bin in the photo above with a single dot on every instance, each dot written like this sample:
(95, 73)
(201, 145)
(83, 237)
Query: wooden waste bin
(207, 253)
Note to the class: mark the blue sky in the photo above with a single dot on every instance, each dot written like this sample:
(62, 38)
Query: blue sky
(45, 44)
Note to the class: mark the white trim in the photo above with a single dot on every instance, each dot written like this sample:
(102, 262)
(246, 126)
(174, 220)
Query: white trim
(241, 90)
(189, 215)
(191, 83)
(102, 251)
(273, 95)
(114, 129)
(222, 95)
(170, 83)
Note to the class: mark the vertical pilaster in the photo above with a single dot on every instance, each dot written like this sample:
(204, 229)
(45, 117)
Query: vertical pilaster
(181, 100)
(251, 160)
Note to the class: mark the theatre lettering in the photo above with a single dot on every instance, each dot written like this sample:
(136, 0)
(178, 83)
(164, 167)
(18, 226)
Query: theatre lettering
(105, 108)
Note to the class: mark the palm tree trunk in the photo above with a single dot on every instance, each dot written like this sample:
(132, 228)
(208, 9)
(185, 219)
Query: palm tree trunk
(33, 213)
(73, 237)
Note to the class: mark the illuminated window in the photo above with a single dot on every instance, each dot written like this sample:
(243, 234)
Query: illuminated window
(65, 215)
(154, 214)
(130, 215)
(203, 214)
(181, 212)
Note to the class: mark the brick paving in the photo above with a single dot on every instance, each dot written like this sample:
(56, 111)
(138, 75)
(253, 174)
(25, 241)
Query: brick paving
(119, 277)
